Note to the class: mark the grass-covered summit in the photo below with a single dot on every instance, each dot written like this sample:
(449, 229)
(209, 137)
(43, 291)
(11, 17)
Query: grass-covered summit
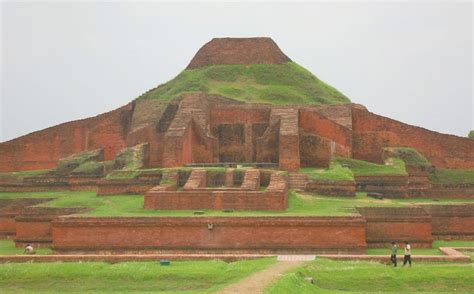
(283, 84)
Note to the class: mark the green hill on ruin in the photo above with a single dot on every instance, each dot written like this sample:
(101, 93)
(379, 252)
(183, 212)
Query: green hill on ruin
(280, 84)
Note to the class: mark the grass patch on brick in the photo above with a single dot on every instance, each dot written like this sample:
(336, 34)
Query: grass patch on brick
(126, 277)
(27, 173)
(281, 84)
(7, 247)
(299, 204)
(363, 277)
(392, 167)
(409, 155)
(452, 176)
(335, 172)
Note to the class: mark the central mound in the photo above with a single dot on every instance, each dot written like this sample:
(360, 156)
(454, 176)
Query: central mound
(238, 51)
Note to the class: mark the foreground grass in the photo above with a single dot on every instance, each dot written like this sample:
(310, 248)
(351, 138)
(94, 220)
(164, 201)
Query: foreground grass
(363, 277)
(7, 247)
(299, 204)
(127, 277)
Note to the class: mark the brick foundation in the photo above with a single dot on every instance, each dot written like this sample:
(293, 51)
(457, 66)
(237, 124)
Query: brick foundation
(397, 224)
(217, 234)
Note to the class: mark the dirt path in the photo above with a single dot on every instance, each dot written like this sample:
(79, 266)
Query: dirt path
(258, 281)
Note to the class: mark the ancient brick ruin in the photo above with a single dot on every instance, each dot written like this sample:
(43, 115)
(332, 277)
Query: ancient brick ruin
(260, 147)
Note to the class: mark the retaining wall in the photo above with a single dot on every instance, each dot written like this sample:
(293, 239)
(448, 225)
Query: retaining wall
(452, 221)
(389, 186)
(218, 234)
(397, 224)
(332, 188)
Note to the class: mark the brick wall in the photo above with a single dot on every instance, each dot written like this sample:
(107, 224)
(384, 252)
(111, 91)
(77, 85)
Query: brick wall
(452, 221)
(180, 234)
(373, 132)
(332, 188)
(33, 224)
(388, 186)
(42, 149)
(397, 224)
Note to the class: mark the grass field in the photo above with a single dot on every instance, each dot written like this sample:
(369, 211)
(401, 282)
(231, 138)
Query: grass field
(7, 247)
(286, 83)
(371, 277)
(299, 204)
(128, 277)
(335, 172)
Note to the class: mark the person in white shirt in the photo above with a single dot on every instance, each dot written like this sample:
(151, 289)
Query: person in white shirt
(407, 257)
(29, 249)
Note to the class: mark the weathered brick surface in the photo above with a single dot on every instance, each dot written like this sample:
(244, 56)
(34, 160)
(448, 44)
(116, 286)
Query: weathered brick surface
(373, 132)
(294, 234)
(397, 224)
(42, 149)
(289, 143)
(312, 121)
(238, 51)
(33, 224)
(452, 221)
(9, 209)
(53, 183)
(332, 188)
(388, 186)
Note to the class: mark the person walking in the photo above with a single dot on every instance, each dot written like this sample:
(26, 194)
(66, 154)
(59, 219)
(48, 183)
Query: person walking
(393, 256)
(407, 257)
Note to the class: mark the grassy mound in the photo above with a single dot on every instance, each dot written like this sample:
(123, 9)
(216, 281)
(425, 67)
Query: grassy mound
(68, 164)
(335, 172)
(392, 167)
(452, 176)
(409, 155)
(286, 83)
(371, 277)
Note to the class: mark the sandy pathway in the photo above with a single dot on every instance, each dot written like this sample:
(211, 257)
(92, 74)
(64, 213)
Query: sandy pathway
(258, 281)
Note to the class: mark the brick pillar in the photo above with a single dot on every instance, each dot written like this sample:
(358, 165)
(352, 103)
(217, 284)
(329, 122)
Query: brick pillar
(248, 142)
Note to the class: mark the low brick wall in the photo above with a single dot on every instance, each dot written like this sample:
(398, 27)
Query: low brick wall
(9, 209)
(451, 191)
(33, 224)
(389, 186)
(397, 224)
(52, 183)
(120, 187)
(209, 234)
(452, 221)
(332, 188)
(275, 197)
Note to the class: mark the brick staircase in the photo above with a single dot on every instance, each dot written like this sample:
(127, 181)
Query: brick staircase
(297, 181)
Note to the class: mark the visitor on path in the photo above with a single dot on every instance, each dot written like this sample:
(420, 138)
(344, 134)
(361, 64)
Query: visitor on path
(393, 256)
(407, 257)
(29, 249)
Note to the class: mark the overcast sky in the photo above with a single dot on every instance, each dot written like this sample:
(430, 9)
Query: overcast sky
(408, 61)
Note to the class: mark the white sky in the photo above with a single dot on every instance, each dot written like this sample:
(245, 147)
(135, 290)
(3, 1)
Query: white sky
(408, 61)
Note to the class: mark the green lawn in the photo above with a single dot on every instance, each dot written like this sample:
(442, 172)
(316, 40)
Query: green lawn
(335, 172)
(372, 277)
(452, 176)
(424, 251)
(393, 167)
(127, 277)
(299, 204)
(7, 247)
(286, 83)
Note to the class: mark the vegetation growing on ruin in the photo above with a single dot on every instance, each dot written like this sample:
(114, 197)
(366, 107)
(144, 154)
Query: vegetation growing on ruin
(286, 83)
(452, 176)
(362, 277)
(299, 204)
(471, 134)
(392, 167)
(126, 277)
(335, 172)
(409, 155)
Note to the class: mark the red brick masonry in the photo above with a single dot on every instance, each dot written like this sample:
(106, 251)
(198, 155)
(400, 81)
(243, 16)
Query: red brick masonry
(221, 234)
